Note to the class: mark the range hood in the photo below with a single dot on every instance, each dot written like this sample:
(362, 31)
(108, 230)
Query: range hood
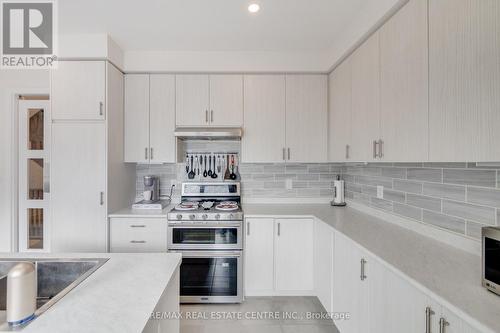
(212, 133)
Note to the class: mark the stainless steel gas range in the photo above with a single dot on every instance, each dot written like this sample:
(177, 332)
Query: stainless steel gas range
(207, 228)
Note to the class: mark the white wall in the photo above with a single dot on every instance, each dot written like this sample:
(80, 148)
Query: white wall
(13, 82)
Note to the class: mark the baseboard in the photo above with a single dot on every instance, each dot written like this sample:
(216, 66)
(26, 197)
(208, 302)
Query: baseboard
(270, 293)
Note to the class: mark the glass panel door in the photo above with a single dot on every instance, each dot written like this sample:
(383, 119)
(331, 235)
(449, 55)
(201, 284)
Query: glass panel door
(34, 142)
(191, 236)
(209, 276)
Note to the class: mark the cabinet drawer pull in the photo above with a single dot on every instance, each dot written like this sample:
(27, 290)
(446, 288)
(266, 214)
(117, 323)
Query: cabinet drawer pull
(138, 226)
(101, 108)
(211, 116)
(206, 116)
(284, 154)
(289, 154)
(137, 242)
(279, 229)
(428, 314)
(248, 228)
(442, 325)
(101, 198)
(146, 153)
(380, 148)
(151, 152)
(346, 152)
(375, 143)
(363, 275)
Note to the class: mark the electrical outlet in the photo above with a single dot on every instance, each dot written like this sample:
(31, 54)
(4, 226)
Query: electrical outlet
(380, 192)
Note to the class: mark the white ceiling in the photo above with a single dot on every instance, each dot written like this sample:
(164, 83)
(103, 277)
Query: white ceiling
(213, 25)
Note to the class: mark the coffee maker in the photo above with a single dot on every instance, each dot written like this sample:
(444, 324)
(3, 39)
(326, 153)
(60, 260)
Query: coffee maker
(151, 189)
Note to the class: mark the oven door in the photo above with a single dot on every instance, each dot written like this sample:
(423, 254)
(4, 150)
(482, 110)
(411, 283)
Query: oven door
(225, 236)
(491, 259)
(211, 277)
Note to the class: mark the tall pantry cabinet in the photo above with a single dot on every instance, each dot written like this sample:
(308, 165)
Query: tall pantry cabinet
(87, 174)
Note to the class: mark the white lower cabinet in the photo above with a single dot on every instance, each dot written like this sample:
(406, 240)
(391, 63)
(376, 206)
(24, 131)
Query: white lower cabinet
(138, 235)
(323, 263)
(279, 257)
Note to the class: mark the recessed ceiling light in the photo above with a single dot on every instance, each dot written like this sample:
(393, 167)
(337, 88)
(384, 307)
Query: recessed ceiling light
(253, 8)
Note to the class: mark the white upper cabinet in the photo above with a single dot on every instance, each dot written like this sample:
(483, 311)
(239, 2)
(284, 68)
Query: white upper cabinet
(149, 118)
(162, 118)
(404, 84)
(209, 100)
(365, 100)
(464, 49)
(339, 135)
(192, 100)
(137, 118)
(78, 90)
(264, 119)
(226, 100)
(306, 118)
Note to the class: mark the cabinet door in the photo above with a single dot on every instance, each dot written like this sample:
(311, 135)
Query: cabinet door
(78, 185)
(404, 84)
(162, 118)
(226, 100)
(78, 90)
(294, 255)
(323, 263)
(259, 258)
(464, 49)
(365, 99)
(137, 118)
(347, 287)
(192, 100)
(306, 118)
(264, 119)
(339, 135)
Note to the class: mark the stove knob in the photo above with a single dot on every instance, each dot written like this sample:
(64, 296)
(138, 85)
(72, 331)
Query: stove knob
(204, 216)
(217, 216)
(179, 216)
(231, 216)
(192, 216)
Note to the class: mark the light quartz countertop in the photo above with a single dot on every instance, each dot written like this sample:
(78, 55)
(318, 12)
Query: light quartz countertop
(142, 213)
(118, 297)
(452, 276)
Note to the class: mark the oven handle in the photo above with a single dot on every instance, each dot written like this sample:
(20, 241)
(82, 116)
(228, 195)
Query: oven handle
(208, 254)
(204, 226)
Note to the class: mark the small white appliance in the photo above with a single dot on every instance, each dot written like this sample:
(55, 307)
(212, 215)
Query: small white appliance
(21, 293)
(338, 193)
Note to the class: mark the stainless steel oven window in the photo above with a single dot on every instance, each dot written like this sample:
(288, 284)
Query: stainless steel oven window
(211, 277)
(205, 237)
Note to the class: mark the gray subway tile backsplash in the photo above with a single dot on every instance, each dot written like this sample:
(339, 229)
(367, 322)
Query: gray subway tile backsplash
(464, 200)
(485, 215)
(473, 177)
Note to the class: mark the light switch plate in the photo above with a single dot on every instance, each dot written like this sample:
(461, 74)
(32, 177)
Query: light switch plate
(380, 192)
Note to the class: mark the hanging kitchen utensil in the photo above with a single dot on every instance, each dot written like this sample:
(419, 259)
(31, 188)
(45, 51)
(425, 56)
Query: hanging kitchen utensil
(187, 163)
(219, 167)
(191, 173)
(237, 167)
(210, 166)
(205, 174)
(232, 175)
(227, 175)
(214, 174)
(196, 164)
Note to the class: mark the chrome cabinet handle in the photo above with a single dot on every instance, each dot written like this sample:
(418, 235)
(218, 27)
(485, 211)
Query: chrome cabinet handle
(279, 229)
(380, 150)
(101, 198)
(428, 314)
(442, 325)
(363, 276)
(289, 154)
(206, 116)
(101, 108)
(347, 152)
(146, 153)
(375, 143)
(248, 228)
(211, 116)
(151, 152)
(138, 226)
(284, 154)
(137, 242)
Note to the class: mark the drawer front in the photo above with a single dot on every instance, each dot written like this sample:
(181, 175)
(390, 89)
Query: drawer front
(138, 235)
